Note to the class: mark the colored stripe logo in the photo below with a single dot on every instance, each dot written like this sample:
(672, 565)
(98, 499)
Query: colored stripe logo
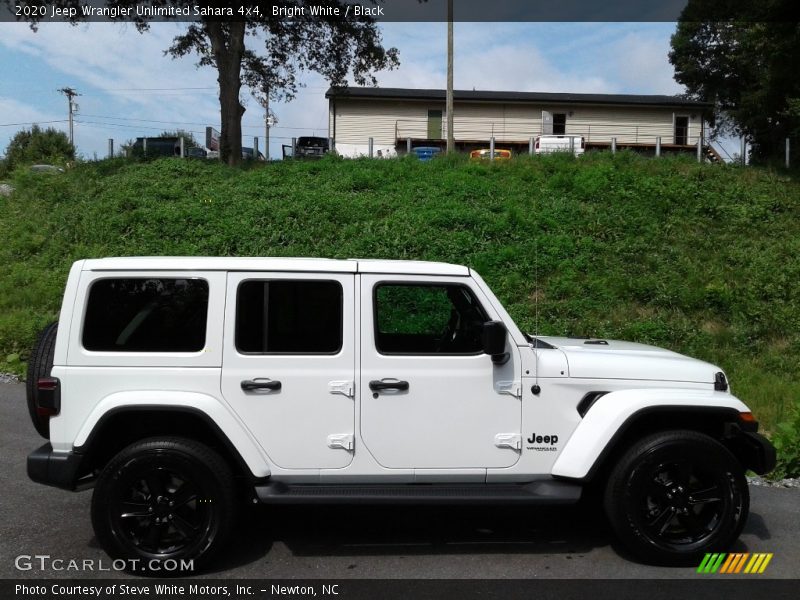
(734, 563)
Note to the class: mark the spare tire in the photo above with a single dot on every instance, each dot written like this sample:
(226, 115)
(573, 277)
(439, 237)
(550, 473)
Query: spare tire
(40, 363)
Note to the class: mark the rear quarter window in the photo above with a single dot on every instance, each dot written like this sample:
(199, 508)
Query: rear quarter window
(146, 315)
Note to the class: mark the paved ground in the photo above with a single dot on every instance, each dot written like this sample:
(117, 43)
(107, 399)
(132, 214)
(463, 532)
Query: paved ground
(293, 542)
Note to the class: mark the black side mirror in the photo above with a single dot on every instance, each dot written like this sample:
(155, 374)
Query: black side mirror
(493, 338)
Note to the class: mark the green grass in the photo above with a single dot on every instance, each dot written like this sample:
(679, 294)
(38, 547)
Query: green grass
(702, 259)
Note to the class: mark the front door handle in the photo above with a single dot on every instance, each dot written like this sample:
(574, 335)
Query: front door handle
(388, 384)
(249, 385)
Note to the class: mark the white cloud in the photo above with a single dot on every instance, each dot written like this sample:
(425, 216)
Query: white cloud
(642, 65)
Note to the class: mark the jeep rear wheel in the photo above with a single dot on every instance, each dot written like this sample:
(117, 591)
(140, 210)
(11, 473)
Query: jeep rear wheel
(164, 499)
(676, 495)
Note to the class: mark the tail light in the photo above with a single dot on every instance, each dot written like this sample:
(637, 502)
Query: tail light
(48, 401)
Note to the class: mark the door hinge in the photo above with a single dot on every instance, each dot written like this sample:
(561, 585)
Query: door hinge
(508, 440)
(512, 388)
(341, 440)
(345, 388)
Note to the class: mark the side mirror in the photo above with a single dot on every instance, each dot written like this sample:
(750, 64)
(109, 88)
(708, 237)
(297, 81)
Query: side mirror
(493, 338)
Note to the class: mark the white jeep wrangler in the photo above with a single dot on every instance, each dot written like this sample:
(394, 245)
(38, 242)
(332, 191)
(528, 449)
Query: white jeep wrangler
(178, 387)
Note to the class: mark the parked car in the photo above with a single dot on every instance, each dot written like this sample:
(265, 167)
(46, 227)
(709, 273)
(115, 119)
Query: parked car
(196, 152)
(426, 152)
(311, 147)
(180, 387)
(486, 154)
(546, 144)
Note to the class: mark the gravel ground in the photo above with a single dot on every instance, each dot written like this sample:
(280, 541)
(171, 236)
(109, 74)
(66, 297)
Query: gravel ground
(8, 378)
(792, 482)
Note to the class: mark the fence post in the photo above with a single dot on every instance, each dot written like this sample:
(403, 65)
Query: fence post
(144, 146)
(613, 145)
(183, 147)
(658, 146)
(408, 145)
(110, 148)
(571, 144)
(331, 145)
(294, 146)
(370, 147)
(530, 146)
(744, 151)
(787, 153)
(255, 148)
(491, 148)
(700, 148)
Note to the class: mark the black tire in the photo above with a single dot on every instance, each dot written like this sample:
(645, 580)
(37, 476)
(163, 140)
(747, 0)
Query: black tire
(40, 363)
(164, 499)
(676, 495)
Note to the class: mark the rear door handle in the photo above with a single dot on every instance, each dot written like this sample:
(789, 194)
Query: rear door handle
(249, 385)
(388, 384)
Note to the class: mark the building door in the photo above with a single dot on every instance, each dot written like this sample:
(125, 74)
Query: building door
(547, 122)
(559, 123)
(681, 130)
(434, 124)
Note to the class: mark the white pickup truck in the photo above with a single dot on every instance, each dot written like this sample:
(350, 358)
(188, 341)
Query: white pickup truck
(178, 387)
(545, 144)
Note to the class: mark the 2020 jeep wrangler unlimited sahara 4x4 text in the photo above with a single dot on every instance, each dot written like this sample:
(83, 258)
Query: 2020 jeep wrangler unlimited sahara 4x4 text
(179, 386)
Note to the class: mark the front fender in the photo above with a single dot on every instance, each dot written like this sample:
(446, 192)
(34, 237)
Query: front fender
(610, 414)
(215, 411)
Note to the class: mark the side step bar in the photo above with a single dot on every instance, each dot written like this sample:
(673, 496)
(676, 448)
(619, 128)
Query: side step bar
(535, 492)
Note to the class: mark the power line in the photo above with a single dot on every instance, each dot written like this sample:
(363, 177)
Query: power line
(31, 123)
(244, 125)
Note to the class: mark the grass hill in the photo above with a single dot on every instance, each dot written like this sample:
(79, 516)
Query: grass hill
(702, 259)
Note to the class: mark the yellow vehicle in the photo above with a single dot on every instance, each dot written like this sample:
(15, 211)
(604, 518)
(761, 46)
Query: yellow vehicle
(486, 154)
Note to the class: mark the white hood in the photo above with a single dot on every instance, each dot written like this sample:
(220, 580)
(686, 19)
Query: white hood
(612, 359)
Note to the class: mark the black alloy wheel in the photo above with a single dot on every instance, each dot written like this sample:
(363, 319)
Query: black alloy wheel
(676, 495)
(164, 499)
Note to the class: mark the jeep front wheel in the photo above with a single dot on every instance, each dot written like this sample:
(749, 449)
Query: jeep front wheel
(676, 495)
(163, 499)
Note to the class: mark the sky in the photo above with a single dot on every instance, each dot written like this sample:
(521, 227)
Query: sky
(128, 88)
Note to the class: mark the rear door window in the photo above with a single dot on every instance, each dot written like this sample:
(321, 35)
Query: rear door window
(283, 316)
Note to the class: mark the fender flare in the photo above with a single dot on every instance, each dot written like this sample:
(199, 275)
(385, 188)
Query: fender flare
(614, 413)
(229, 429)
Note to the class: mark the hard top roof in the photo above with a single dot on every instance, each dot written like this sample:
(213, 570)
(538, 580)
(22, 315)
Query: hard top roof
(325, 265)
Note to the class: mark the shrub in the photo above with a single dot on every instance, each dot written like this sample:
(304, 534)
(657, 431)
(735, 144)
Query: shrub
(37, 145)
(787, 442)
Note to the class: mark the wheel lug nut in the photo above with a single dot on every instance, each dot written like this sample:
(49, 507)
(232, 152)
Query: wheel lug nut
(150, 509)
(169, 517)
(172, 504)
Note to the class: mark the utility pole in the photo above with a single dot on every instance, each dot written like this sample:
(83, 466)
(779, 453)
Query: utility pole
(73, 107)
(263, 100)
(451, 141)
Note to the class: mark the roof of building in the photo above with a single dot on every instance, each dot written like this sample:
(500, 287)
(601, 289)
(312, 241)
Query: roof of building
(489, 96)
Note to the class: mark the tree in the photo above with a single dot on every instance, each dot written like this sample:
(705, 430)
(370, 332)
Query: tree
(743, 57)
(36, 145)
(228, 41)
